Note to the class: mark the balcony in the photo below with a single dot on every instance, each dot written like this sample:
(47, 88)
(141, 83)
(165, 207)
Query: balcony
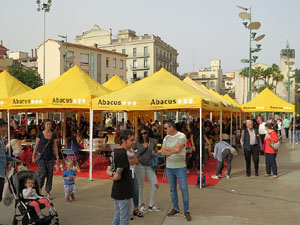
(163, 58)
(136, 68)
(139, 56)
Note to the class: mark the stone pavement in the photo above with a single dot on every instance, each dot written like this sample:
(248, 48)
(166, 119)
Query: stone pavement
(240, 200)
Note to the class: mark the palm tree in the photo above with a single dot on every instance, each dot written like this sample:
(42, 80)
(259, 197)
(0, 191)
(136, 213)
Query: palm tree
(244, 73)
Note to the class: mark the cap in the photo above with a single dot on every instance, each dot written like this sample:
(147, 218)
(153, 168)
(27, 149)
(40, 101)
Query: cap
(2, 122)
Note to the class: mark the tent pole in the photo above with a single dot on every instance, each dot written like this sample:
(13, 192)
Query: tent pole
(221, 124)
(177, 116)
(200, 148)
(161, 124)
(240, 120)
(211, 116)
(91, 145)
(294, 130)
(231, 128)
(64, 116)
(8, 132)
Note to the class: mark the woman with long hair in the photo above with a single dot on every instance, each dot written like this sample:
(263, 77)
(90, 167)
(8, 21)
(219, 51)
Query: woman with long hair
(270, 153)
(145, 147)
(46, 145)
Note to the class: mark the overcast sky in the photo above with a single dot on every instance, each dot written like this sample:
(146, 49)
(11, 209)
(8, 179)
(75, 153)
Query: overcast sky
(209, 28)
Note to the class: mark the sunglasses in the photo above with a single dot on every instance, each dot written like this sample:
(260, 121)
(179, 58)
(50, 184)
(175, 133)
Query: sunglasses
(144, 133)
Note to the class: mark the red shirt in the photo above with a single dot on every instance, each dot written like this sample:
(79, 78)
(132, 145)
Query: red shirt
(273, 138)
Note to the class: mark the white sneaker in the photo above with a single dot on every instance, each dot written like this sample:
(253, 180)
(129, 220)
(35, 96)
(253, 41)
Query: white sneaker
(143, 209)
(215, 177)
(227, 176)
(154, 208)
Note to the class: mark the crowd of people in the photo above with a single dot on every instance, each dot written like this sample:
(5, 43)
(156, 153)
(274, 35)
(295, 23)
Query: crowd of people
(131, 163)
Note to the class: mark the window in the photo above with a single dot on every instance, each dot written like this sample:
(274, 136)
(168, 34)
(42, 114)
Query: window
(121, 77)
(204, 83)
(145, 63)
(107, 62)
(212, 84)
(134, 64)
(212, 76)
(84, 58)
(70, 56)
(107, 77)
(203, 76)
(114, 62)
(145, 73)
(123, 51)
(134, 75)
(134, 51)
(146, 51)
(121, 64)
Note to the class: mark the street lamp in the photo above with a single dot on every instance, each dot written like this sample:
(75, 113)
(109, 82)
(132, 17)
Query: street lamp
(251, 26)
(46, 8)
(65, 56)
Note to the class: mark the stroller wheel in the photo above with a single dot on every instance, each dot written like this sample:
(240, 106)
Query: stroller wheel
(15, 221)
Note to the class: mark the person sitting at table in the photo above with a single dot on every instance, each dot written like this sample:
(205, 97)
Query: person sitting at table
(109, 136)
(22, 135)
(82, 156)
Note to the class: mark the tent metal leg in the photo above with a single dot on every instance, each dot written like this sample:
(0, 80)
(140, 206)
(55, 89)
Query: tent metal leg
(200, 148)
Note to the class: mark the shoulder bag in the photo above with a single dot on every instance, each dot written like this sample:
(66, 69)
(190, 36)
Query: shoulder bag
(39, 154)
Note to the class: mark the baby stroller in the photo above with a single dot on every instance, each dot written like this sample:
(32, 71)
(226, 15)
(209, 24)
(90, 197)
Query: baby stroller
(27, 213)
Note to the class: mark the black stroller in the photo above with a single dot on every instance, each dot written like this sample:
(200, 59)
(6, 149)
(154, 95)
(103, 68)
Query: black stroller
(27, 213)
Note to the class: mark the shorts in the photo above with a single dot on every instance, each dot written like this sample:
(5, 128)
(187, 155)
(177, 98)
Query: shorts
(70, 189)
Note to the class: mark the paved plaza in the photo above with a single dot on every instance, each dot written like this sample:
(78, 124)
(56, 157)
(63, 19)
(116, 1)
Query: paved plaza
(237, 201)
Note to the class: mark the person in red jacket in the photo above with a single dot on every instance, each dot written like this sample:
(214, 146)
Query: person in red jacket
(270, 153)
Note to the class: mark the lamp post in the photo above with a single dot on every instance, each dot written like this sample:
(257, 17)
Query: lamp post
(46, 8)
(65, 56)
(251, 26)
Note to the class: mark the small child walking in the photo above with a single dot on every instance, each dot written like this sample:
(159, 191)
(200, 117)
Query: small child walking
(29, 193)
(69, 176)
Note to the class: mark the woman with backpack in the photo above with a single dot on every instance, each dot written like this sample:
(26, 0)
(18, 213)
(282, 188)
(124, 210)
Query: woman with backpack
(271, 150)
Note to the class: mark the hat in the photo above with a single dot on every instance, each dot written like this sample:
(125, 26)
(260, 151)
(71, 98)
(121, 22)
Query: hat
(2, 122)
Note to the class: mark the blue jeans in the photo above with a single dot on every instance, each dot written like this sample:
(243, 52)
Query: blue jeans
(135, 192)
(297, 138)
(122, 212)
(180, 174)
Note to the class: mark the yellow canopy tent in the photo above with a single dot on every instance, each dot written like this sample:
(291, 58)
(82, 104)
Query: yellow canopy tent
(73, 89)
(115, 83)
(10, 86)
(204, 90)
(267, 101)
(160, 91)
(232, 101)
(231, 105)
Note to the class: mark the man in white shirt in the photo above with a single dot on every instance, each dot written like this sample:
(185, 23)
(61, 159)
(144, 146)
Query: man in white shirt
(262, 131)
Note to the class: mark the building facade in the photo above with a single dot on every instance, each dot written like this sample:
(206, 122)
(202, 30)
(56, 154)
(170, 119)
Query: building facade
(211, 77)
(287, 57)
(99, 64)
(146, 54)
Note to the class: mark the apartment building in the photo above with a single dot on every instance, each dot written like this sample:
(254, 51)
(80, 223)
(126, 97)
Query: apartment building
(211, 77)
(146, 53)
(99, 64)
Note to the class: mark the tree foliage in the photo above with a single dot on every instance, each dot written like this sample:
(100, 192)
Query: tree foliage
(271, 77)
(26, 75)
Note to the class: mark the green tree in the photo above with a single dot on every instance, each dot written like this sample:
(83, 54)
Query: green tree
(26, 75)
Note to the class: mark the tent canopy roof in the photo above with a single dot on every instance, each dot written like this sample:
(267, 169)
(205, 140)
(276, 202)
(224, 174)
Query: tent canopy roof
(10, 86)
(159, 91)
(267, 101)
(115, 83)
(73, 89)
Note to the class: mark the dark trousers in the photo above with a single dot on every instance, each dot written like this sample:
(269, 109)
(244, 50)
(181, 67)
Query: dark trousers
(271, 163)
(226, 156)
(286, 132)
(45, 170)
(196, 158)
(2, 181)
(254, 151)
(262, 138)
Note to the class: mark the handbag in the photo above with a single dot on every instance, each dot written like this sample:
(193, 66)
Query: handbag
(39, 154)
(274, 145)
(154, 161)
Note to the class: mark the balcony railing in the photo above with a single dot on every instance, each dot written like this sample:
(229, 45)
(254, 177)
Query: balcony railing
(135, 68)
(143, 55)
